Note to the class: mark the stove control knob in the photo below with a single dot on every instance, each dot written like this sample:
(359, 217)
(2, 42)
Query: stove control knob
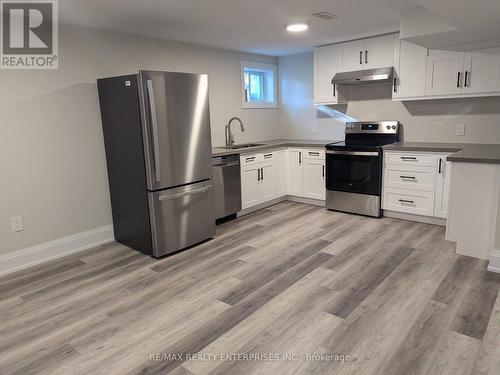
(388, 127)
(393, 127)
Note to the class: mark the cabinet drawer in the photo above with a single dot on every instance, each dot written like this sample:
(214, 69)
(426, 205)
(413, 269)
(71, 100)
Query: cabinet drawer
(407, 158)
(409, 201)
(314, 154)
(249, 159)
(410, 177)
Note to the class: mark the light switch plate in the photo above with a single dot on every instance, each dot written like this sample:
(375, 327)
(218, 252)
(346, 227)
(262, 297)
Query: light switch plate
(460, 129)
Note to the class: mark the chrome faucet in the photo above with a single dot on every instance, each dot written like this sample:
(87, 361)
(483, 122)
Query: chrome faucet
(229, 133)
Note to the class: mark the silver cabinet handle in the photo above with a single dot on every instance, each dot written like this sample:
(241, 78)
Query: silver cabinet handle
(440, 165)
(154, 123)
(361, 57)
(366, 57)
(267, 156)
(262, 174)
(313, 153)
(458, 80)
(233, 164)
(406, 158)
(395, 87)
(323, 171)
(258, 174)
(334, 89)
(408, 177)
(250, 159)
(353, 153)
(184, 193)
(466, 74)
(300, 157)
(406, 201)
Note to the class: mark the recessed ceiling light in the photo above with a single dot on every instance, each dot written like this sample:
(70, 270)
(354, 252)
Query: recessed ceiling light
(296, 27)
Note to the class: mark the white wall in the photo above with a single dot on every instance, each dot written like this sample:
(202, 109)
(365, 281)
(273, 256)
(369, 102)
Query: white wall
(51, 148)
(431, 120)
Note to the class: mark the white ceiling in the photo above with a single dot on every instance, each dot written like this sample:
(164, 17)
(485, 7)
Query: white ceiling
(259, 25)
(245, 25)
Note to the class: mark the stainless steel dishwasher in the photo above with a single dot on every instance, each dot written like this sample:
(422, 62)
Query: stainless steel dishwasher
(227, 184)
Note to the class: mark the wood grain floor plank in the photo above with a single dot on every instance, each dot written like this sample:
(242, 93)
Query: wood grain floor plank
(264, 284)
(456, 355)
(242, 333)
(374, 273)
(273, 270)
(488, 360)
(193, 343)
(456, 280)
(477, 306)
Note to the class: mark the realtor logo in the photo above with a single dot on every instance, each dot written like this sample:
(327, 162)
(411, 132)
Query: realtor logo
(29, 34)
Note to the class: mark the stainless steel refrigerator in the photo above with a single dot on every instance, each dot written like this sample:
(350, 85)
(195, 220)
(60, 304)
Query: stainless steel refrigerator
(156, 128)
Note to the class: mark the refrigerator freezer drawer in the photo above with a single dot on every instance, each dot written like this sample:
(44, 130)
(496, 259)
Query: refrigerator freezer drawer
(181, 217)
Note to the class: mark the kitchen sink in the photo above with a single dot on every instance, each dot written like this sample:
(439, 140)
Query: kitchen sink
(244, 145)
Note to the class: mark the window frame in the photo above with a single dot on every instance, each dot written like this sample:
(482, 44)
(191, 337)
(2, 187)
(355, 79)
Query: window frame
(259, 66)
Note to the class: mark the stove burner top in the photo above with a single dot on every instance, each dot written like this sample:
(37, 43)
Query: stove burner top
(367, 136)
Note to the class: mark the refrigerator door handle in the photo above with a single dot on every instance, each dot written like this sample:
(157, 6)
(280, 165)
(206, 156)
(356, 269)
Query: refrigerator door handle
(184, 193)
(154, 123)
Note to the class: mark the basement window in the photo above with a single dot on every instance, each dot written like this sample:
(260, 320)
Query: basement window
(258, 85)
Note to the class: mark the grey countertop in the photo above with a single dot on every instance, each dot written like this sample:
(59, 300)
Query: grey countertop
(462, 152)
(275, 143)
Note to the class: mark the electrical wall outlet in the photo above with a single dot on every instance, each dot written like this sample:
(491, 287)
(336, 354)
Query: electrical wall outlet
(16, 224)
(460, 129)
(315, 129)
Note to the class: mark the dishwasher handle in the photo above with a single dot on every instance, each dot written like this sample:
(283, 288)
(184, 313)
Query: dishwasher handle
(223, 165)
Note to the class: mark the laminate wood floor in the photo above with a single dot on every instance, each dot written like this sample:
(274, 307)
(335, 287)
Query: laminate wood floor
(291, 289)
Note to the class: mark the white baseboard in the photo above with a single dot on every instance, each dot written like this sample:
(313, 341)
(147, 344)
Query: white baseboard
(494, 265)
(44, 252)
(413, 217)
(311, 201)
(260, 206)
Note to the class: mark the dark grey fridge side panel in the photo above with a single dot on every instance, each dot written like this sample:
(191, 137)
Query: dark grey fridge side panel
(176, 121)
(121, 123)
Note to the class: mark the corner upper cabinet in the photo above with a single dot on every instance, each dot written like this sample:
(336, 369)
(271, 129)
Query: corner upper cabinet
(482, 71)
(410, 61)
(444, 73)
(325, 67)
(370, 53)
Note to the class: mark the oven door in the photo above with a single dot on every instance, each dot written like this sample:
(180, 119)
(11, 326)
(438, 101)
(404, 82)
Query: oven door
(354, 171)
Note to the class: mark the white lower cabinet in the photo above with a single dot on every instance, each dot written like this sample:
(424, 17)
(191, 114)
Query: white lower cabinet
(295, 171)
(442, 186)
(416, 183)
(314, 179)
(250, 181)
(262, 177)
(306, 173)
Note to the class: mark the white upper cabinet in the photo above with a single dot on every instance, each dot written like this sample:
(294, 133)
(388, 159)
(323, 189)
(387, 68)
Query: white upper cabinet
(444, 73)
(325, 67)
(351, 55)
(482, 71)
(370, 53)
(410, 66)
(379, 51)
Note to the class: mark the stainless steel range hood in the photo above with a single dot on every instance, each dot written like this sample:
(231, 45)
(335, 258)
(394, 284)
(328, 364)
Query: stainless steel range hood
(359, 77)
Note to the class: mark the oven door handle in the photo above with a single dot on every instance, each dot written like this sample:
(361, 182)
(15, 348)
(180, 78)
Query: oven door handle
(353, 153)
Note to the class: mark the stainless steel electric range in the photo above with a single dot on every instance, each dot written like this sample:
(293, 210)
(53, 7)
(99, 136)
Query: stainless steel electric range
(354, 167)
